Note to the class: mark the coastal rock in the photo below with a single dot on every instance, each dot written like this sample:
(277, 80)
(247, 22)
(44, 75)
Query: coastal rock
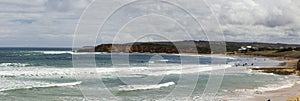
(298, 65)
(186, 46)
(141, 48)
(279, 71)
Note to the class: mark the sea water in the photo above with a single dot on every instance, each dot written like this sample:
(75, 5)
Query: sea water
(48, 74)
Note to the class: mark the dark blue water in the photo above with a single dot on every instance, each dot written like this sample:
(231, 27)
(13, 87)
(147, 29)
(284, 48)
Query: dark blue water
(36, 57)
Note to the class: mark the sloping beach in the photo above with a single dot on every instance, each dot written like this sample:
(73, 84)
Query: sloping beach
(53, 76)
(288, 92)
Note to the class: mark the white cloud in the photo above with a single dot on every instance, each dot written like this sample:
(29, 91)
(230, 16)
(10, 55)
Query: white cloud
(26, 22)
(66, 5)
(39, 22)
(260, 20)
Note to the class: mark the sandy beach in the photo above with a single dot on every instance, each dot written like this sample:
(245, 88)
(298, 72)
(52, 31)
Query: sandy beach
(286, 94)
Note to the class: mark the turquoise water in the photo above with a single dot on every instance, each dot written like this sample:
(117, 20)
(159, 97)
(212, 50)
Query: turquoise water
(35, 74)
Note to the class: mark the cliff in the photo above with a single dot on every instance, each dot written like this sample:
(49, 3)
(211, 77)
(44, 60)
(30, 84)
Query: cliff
(202, 47)
(141, 48)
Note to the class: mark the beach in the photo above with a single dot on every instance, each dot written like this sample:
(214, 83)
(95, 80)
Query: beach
(48, 74)
(288, 93)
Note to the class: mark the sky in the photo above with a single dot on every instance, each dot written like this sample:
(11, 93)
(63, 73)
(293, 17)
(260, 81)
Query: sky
(52, 23)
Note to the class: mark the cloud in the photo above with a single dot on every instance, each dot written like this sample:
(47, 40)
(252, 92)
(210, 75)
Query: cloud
(66, 5)
(249, 12)
(39, 23)
(260, 20)
(52, 22)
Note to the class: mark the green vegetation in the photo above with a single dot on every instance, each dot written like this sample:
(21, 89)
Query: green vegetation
(277, 53)
(203, 47)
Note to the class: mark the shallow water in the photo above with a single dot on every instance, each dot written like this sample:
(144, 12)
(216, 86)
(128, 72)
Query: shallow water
(48, 74)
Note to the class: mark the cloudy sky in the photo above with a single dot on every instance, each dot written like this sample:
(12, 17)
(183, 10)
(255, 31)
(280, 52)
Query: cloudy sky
(51, 23)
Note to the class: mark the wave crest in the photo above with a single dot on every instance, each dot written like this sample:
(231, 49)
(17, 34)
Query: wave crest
(40, 86)
(13, 64)
(144, 87)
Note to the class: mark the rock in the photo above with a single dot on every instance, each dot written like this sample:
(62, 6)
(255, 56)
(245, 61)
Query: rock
(258, 92)
(279, 71)
(298, 65)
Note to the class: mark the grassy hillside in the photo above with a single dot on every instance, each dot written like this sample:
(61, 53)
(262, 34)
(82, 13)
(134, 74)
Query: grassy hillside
(275, 53)
(188, 46)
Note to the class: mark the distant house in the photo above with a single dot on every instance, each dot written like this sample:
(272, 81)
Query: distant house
(247, 49)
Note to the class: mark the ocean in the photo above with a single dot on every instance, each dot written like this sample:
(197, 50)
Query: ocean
(58, 74)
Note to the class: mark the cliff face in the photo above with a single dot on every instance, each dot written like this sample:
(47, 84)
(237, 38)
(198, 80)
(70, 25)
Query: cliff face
(143, 48)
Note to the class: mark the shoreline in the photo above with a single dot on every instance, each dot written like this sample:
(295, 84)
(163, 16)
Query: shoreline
(289, 69)
(284, 94)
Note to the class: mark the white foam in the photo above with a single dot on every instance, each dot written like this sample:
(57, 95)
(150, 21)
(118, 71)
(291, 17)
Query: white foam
(220, 57)
(32, 84)
(163, 60)
(106, 72)
(266, 88)
(208, 55)
(13, 65)
(189, 69)
(298, 82)
(55, 52)
(151, 61)
(144, 87)
(68, 52)
(258, 72)
(237, 94)
(78, 53)
(168, 70)
(35, 71)
(274, 87)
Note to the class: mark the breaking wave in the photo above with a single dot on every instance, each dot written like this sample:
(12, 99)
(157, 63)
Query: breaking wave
(144, 87)
(54, 52)
(274, 87)
(106, 72)
(13, 64)
(68, 52)
(266, 88)
(41, 85)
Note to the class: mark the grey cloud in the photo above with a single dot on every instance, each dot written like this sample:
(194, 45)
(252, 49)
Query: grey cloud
(54, 21)
(39, 22)
(66, 5)
(259, 20)
(252, 12)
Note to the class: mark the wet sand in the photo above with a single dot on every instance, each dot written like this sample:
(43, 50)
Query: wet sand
(278, 95)
(286, 94)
